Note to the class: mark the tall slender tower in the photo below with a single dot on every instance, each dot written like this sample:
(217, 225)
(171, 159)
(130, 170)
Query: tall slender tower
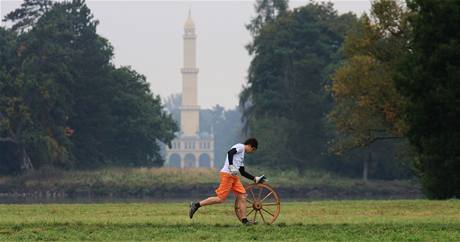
(191, 148)
(189, 109)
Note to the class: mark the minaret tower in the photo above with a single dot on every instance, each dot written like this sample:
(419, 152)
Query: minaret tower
(191, 148)
(189, 109)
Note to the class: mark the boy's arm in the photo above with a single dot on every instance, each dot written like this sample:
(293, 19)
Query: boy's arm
(246, 174)
(230, 154)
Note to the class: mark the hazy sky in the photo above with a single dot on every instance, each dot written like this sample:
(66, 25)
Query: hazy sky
(147, 35)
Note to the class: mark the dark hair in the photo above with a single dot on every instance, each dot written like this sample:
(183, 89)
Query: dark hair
(252, 142)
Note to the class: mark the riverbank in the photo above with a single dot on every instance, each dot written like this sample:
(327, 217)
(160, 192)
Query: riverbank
(168, 183)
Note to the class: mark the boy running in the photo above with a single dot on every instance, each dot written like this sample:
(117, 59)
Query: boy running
(230, 181)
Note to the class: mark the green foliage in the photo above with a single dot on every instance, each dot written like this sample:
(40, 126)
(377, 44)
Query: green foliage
(284, 101)
(226, 127)
(172, 105)
(400, 220)
(429, 81)
(368, 107)
(368, 110)
(386, 159)
(27, 15)
(266, 12)
(63, 103)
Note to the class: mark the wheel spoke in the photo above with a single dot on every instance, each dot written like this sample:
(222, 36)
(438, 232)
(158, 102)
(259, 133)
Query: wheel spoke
(267, 212)
(260, 193)
(266, 196)
(253, 197)
(250, 212)
(255, 215)
(270, 204)
(249, 200)
(261, 215)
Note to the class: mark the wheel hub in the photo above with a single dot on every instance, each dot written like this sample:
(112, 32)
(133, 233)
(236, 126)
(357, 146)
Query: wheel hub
(257, 205)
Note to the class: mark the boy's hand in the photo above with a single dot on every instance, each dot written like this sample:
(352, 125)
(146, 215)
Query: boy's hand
(233, 170)
(260, 179)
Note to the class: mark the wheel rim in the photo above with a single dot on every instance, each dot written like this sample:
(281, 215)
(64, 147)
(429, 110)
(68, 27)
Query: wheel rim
(262, 202)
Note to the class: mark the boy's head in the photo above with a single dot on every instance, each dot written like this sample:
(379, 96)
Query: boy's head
(250, 145)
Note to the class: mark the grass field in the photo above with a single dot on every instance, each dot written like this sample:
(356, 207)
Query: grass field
(397, 220)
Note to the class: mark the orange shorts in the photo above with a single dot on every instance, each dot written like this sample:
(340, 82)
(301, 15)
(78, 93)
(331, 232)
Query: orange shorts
(229, 183)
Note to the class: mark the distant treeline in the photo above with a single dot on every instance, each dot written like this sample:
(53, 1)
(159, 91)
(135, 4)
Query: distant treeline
(327, 89)
(63, 103)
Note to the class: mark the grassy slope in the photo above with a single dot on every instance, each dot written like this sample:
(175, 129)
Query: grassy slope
(135, 178)
(400, 220)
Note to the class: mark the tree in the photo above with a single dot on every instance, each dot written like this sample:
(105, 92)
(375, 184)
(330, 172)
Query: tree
(53, 53)
(27, 104)
(428, 79)
(25, 17)
(15, 117)
(284, 101)
(172, 105)
(62, 101)
(266, 12)
(226, 127)
(368, 108)
(139, 121)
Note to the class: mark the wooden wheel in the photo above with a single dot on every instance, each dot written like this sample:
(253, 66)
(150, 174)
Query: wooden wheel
(262, 202)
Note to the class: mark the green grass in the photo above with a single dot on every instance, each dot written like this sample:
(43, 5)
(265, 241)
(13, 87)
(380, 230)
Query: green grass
(397, 220)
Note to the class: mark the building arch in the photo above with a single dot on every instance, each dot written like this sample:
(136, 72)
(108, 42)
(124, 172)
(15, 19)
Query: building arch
(204, 160)
(189, 160)
(174, 160)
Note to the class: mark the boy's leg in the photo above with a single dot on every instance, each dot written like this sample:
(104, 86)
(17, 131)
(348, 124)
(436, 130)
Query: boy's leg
(210, 201)
(222, 192)
(241, 199)
(241, 196)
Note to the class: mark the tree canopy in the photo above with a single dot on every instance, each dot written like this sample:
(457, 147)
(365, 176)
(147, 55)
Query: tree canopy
(368, 108)
(284, 102)
(429, 80)
(63, 103)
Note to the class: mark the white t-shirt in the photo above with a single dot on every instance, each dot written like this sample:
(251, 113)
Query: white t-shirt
(237, 158)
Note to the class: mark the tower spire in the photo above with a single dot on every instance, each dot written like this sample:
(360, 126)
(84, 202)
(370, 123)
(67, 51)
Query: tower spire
(189, 23)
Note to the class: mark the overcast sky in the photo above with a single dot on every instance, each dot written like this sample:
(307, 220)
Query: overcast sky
(147, 35)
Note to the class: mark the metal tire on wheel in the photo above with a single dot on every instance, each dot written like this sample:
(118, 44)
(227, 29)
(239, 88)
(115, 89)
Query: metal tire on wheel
(262, 201)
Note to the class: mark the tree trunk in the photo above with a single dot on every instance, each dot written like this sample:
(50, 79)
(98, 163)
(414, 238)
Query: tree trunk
(366, 167)
(301, 168)
(365, 170)
(26, 163)
(24, 158)
(301, 171)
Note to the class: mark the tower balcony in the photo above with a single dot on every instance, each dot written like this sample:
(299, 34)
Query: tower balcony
(189, 70)
(189, 36)
(189, 108)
